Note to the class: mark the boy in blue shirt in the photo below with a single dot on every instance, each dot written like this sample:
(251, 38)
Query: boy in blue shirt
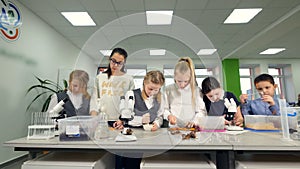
(267, 104)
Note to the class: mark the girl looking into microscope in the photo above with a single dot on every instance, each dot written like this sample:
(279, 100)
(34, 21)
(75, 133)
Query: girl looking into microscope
(147, 102)
(77, 96)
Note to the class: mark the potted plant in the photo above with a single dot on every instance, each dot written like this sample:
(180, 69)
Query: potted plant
(45, 88)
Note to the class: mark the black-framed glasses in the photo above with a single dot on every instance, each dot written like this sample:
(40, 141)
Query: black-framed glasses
(113, 61)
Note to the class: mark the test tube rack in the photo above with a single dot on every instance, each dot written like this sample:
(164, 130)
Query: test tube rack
(42, 126)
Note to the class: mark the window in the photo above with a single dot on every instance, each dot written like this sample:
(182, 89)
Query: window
(282, 77)
(278, 76)
(169, 76)
(138, 76)
(200, 73)
(246, 80)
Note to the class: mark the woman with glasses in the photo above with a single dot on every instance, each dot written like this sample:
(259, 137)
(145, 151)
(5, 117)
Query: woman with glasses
(110, 85)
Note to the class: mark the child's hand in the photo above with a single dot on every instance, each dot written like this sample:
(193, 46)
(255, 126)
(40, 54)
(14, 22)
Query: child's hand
(94, 113)
(269, 99)
(238, 120)
(146, 118)
(172, 119)
(243, 98)
(155, 127)
(118, 124)
(190, 124)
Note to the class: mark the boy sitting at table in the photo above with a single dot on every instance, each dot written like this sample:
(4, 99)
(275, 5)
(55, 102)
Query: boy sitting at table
(268, 103)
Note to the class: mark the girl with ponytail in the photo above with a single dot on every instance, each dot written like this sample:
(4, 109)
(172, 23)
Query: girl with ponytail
(183, 104)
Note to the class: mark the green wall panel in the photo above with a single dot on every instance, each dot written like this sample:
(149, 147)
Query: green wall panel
(231, 74)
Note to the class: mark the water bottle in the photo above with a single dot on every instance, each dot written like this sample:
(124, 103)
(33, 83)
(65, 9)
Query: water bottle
(102, 130)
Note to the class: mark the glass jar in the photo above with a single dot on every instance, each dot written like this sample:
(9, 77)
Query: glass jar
(102, 130)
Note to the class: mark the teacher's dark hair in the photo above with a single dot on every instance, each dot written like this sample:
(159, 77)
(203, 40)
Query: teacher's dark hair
(121, 52)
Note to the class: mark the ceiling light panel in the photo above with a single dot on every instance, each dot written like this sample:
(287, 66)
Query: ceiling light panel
(272, 51)
(79, 18)
(242, 15)
(158, 52)
(106, 52)
(159, 17)
(206, 51)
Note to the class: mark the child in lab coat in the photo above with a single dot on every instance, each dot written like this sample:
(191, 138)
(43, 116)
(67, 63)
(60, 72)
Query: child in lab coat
(182, 102)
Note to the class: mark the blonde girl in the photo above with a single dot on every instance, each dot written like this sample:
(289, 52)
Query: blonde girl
(147, 101)
(183, 104)
(77, 94)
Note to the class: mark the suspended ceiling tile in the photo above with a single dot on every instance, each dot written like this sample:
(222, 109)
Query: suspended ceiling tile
(283, 4)
(96, 5)
(216, 4)
(128, 5)
(54, 18)
(132, 17)
(191, 4)
(38, 5)
(209, 28)
(253, 3)
(159, 4)
(214, 16)
(269, 15)
(189, 15)
(104, 17)
(66, 6)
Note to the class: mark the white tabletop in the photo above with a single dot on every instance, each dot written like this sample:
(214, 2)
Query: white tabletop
(163, 140)
(160, 140)
(262, 141)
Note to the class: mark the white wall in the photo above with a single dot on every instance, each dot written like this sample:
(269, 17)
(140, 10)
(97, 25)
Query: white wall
(295, 69)
(40, 51)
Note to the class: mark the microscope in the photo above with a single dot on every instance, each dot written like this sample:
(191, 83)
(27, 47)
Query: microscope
(229, 116)
(126, 107)
(55, 112)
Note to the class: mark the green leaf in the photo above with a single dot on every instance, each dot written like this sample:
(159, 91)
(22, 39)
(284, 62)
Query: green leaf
(45, 86)
(46, 104)
(47, 82)
(65, 84)
(36, 97)
(56, 85)
(40, 80)
(40, 86)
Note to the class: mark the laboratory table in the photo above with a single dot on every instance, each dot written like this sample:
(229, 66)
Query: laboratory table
(226, 145)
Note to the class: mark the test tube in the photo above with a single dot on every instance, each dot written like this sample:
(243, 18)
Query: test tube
(284, 119)
(251, 96)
